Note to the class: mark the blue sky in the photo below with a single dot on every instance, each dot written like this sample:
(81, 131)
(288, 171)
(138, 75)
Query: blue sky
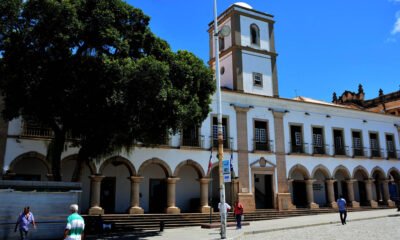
(323, 46)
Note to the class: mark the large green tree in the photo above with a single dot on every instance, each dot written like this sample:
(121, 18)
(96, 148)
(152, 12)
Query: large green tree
(94, 69)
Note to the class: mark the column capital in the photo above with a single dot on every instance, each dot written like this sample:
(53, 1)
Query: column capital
(386, 180)
(172, 180)
(96, 178)
(241, 108)
(204, 180)
(369, 180)
(350, 181)
(278, 114)
(136, 179)
(309, 181)
(290, 180)
(330, 180)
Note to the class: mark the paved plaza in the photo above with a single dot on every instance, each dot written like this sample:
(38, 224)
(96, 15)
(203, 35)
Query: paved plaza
(377, 224)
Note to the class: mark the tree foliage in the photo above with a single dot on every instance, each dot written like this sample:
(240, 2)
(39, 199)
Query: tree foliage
(94, 69)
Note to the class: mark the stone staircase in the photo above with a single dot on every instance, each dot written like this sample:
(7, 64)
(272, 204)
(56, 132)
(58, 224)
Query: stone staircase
(157, 222)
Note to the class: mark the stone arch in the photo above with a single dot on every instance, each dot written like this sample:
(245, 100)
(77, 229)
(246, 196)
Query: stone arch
(254, 34)
(157, 161)
(303, 170)
(117, 160)
(216, 165)
(394, 172)
(28, 155)
(323, 169)
(74, 157)
(343, 169)
(361, 169)
(197, 167)
(378, 170)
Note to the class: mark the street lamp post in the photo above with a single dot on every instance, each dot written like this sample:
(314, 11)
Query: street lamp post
(220, 131)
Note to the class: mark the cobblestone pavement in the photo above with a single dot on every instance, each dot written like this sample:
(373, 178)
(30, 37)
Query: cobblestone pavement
(386, 228)
(364, 225)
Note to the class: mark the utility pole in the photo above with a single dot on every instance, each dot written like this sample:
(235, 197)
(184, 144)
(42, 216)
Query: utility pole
(222, 209)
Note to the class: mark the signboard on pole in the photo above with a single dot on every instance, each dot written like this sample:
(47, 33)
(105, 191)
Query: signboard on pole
(227, 178)
(226, 170)
(226, 167)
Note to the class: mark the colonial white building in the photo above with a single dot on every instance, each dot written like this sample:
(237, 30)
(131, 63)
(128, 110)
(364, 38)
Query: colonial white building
(285, 153)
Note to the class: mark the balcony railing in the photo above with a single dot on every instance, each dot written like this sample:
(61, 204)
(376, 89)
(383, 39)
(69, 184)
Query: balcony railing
(392, 154)
(227, 142)
(40, 132)
(193, 142)
(360, 152)
(320, 149)
(298, 149)
(376, 152)
(263, 146)
(341, 150)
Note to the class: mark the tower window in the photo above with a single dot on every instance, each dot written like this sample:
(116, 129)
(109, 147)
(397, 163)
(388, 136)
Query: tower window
(257, 79)
(255, 34)
(221, 43)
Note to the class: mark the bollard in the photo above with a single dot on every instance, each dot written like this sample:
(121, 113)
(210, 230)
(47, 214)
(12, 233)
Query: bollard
(162, 224)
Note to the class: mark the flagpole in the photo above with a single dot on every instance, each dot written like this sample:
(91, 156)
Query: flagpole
(220, 131)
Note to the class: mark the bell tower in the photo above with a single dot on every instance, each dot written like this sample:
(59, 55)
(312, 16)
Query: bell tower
(247, 54)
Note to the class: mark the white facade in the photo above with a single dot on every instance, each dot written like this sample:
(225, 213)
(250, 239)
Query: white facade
(261, 132)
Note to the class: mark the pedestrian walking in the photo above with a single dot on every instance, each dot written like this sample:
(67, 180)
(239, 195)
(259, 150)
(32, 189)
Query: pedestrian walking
(24, 220)
(341, 202)
(75, 225)
(223, 210)
(238, 211)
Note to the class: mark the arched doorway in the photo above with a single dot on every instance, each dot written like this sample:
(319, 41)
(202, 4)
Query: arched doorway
(394, 184)
(360, 192)
(153, 189)
(30, 166)
(67, 169)
(215, 193)
(116, 185)
(378, 186)
(321, 175)
(298, 175)
(341, 174)
(188, 186)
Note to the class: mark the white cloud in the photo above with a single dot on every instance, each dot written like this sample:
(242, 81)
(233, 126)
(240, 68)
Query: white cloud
(396, 27)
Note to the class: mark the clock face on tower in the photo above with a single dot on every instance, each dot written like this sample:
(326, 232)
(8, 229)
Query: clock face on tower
(225, 31)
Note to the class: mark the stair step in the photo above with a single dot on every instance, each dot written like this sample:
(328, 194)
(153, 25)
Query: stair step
(146, 222)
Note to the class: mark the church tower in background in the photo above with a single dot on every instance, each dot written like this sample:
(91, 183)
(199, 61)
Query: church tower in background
(247, 54)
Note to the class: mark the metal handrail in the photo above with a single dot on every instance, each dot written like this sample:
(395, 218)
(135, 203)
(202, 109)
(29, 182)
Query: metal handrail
(298, 149)
(320, 149)
(360, 151)
(262, 146)
(340, 151)
(227, 142)
(193, 142)
(376, 152)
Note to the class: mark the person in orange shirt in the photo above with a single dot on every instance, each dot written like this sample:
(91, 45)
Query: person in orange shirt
(238, 211)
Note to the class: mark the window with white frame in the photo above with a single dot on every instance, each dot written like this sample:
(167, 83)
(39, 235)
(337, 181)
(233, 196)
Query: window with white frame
(257, 79)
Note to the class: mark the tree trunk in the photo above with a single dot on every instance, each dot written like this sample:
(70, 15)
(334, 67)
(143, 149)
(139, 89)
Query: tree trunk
(54, 152)
(82, 159)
